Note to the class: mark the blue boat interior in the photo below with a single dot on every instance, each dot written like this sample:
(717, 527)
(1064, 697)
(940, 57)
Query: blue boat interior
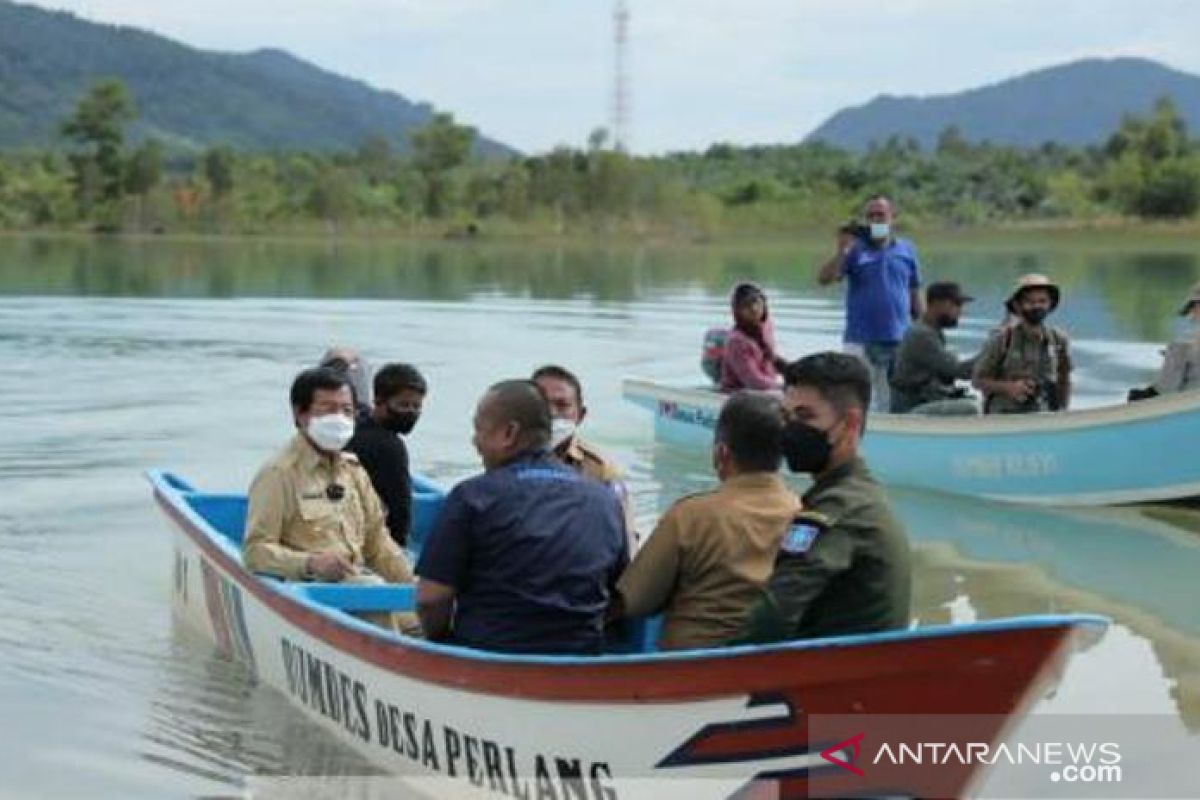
(225, 514)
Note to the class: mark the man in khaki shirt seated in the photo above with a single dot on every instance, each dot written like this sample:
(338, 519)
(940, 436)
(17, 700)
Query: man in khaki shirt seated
(313, 514)
(564, 394)
(712, 553)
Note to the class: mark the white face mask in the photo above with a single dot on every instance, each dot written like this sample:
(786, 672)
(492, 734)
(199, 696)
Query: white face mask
(330, 432)
(880, 231)
(561, 429)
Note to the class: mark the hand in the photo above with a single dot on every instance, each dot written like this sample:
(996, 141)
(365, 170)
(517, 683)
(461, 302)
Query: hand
(330, 567)
(1020, 389)
(844, 241)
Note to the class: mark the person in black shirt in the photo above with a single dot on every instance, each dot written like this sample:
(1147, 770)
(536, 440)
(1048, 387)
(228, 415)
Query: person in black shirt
(399, 392)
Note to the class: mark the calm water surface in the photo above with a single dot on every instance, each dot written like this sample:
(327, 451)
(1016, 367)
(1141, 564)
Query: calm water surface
(120, 357)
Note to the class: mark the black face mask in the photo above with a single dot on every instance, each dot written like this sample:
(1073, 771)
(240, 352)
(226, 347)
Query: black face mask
(947, 321)
(402, 421)
(1034, 316)
(805, 448)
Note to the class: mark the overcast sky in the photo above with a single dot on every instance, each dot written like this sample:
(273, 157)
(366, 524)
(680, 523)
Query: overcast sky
(536, 73)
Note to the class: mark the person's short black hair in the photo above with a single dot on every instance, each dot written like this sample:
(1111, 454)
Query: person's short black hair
(562, 374)
(751, 426)
(842, 379)
(391, 379)
(310, 381)
(522, 402)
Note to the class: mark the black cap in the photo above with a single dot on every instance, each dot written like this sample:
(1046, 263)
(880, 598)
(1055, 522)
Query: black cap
(946, 291)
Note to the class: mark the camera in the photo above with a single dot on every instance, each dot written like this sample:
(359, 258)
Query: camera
(855, 228)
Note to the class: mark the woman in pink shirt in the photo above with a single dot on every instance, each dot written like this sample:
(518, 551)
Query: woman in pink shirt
(750, 361)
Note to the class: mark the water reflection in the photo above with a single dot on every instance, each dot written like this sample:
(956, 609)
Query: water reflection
(210, 719)
(1130, 286)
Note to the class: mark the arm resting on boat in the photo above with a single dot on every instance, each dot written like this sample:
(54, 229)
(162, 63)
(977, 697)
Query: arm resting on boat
(435, 607)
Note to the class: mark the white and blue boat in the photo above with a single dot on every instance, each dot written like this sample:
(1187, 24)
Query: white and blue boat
(634, 723)
(1135, 453)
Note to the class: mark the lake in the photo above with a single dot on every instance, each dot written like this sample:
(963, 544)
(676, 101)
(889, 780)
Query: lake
(127, 355)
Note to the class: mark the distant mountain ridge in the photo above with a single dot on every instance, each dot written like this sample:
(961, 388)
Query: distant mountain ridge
(1079, 103)
(189, 98)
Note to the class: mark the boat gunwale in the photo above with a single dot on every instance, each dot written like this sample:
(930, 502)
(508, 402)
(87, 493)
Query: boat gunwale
(603, 678)
(979, 425)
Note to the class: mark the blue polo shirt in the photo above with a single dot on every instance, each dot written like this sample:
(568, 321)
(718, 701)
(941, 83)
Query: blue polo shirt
(879, 282)
(532, 549)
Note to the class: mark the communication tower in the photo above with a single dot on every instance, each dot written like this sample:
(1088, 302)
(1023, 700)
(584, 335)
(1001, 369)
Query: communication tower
(620, 98)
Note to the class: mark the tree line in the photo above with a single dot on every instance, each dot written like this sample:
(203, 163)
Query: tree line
(1148, 168)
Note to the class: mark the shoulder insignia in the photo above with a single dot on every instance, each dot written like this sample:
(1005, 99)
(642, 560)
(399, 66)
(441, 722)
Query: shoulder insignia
(803, 532)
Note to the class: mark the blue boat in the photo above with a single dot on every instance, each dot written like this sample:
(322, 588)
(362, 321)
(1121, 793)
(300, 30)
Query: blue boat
(1136, 453)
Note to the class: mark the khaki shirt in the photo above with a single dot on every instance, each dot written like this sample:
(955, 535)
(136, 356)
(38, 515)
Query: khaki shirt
(1016, 352)
(591, 463)
(291, 517)
(709, 558)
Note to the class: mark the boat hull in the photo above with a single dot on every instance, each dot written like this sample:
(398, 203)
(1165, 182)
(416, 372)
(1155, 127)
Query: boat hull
(611, 726)
(1111, 456)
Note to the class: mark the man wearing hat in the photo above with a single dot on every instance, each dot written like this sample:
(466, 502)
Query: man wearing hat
(926, 370)
(1181, 360)
(1026, 366)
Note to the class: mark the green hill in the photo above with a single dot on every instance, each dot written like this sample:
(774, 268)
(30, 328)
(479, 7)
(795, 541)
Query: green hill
(1079, 103)
(188, 98)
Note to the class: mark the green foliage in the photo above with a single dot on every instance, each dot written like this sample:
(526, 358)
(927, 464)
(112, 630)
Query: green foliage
(144, 169)
(98, 128)
(1149, 168)
(218, 169)
(1152, 172)
(438, 148)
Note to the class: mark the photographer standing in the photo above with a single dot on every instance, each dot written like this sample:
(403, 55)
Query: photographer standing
(883, 283)
(1026, 366)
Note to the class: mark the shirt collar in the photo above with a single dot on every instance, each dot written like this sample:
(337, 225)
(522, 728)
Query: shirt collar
(573, 452)
(838, 473)
(754, 480)
(308, 457)
(525, 456)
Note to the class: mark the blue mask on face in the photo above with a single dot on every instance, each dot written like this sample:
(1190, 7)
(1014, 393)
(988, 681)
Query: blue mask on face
(880, 231)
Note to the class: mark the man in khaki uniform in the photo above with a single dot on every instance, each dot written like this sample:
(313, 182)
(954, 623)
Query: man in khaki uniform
(712, 553)
(1026, 366)
(564, 393)
(313, 514)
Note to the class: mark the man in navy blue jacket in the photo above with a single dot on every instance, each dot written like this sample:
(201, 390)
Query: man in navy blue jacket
(523, 557)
